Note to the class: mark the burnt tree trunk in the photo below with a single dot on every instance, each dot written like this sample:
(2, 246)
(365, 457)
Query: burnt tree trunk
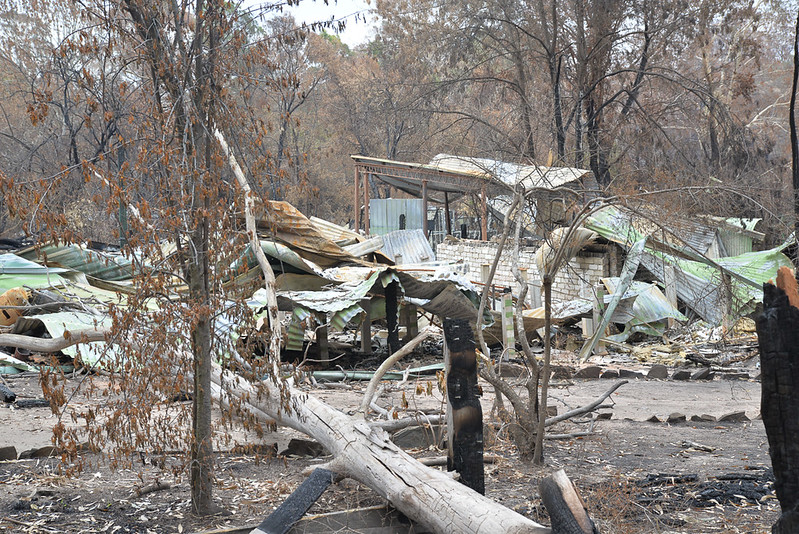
(392, 309)
(466, 425)
(564, 505)
(778, 335)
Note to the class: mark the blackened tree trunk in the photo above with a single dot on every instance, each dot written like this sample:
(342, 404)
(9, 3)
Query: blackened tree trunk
(778, 334)
(392, 312)
(466, 436)
(794, 141)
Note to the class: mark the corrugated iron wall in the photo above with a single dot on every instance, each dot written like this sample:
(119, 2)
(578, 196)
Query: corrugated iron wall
(384, 214)
(735, 243)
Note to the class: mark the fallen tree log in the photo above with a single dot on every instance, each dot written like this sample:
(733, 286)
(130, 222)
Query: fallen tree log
(565, 506)
(367, 454)
(361, 451)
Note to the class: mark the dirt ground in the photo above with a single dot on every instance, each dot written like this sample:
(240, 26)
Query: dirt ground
(635, 475)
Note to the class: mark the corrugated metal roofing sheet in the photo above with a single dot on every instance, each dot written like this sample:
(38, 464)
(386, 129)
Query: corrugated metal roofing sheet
(13, 264)
(408, 246)
(57, 323)
(112, 267)
(338, 234)
(283, 222)
(652, 305)
(699, 282)
(622, 225)
(511, 174)
(16, 271)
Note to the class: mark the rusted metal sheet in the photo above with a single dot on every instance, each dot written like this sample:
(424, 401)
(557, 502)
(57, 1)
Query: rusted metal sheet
(339, 234)
(282, 222)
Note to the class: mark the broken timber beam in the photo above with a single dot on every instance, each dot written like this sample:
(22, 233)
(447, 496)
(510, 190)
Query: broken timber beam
(294, 507)
(361, 451)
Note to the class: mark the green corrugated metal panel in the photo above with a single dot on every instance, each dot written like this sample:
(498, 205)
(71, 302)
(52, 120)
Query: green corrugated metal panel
(651, 310)
(57, 323)
(340, 319)
(650, 303)
(97, 264)
(34, 281)
(735, 243)
(11, 365)
(384, 214)
(16, 271)
(296, 332)
(701, 286)
(13, 264)
(699, 280)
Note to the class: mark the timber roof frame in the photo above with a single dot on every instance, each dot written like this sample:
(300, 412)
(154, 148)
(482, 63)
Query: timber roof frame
(411, 177)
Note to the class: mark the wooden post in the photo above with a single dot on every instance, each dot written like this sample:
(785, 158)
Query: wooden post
(366, 203)
(485, 270)
(410, 321)
(466, 429)
(366, 326)
(357, 205)
(424, 208)
(599, 309)
(778, 336)
(508, 331)
(392, 296)
(535, 294)
(322, 340)
(524, 282)
(670, 283)
(484, 214)
(447, 213)
(726, 301)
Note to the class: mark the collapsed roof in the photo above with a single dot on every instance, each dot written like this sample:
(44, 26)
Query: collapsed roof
(691, 255)
(459, 175)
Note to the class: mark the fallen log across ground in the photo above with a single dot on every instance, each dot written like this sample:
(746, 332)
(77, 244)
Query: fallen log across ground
(365, 453)
(361, 451)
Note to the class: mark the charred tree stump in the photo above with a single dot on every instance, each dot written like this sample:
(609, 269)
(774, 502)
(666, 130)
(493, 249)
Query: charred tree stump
(392, 311)
(778, 335)
(466, 414)
(564, 505)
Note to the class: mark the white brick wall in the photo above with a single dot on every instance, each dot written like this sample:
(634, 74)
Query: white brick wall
(573, 280)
